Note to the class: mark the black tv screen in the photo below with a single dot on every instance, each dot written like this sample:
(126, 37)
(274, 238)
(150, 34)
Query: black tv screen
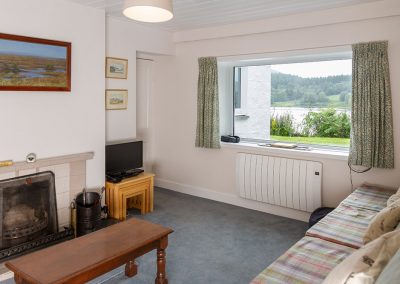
(123, 157)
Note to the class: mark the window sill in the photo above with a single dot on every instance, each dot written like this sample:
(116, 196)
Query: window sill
(313, 153)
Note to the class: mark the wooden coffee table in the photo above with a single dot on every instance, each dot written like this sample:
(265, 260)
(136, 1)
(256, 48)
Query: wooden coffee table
(85, 258)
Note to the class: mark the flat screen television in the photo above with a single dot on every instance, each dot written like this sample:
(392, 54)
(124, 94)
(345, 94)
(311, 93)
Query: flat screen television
(124, 157)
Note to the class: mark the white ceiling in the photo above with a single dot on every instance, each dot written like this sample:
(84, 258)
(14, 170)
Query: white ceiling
(193, 14)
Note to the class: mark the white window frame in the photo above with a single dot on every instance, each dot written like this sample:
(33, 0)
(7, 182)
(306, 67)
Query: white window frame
(242, 111)
(226, 76)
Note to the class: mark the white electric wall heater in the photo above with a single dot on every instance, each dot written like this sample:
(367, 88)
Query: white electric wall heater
(284, 182)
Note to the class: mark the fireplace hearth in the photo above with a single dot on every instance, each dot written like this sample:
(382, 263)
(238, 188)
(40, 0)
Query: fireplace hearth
(28, 214)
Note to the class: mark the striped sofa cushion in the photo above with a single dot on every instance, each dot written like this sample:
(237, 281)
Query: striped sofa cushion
(309, 261)
(368, 197)
(347, 224)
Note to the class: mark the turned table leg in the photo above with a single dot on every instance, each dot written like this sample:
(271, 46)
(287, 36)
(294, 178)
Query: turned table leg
(18, 279)
(161, 262)
(131, 268)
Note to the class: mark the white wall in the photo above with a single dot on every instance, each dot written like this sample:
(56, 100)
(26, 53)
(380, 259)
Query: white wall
(57, 123)
(124, 40)
(211, 173)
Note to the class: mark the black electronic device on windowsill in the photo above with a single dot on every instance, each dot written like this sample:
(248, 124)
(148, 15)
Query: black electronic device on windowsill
(124, 160)
(230, 138)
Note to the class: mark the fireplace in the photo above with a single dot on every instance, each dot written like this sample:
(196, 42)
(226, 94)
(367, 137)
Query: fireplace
(28, 214)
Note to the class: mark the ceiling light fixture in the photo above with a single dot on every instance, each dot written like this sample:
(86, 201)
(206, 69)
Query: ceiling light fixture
(150, 11)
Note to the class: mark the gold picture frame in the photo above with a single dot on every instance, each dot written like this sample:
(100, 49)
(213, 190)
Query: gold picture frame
(116, 99)
(116, 68)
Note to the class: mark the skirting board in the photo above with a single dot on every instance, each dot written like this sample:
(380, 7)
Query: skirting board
(232, 199)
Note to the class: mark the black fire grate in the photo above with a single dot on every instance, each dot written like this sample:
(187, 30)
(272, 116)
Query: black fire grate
(39, 243)
(28, 214)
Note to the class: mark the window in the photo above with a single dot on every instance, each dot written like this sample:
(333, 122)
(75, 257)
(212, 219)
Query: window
(305, 101)
(237, 92)
(240, 91)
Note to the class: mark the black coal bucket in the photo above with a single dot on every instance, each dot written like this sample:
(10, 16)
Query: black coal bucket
(88, 212)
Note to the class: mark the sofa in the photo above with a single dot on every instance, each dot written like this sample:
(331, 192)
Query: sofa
(330, 241)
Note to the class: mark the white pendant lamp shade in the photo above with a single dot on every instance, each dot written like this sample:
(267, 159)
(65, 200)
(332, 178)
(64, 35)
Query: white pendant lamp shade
(150, 11)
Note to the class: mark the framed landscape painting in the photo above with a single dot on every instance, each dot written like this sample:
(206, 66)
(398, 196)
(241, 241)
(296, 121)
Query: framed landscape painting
(116, 99)
(34, 64)
(116, 68)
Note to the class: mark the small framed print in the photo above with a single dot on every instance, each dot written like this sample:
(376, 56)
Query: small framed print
(116, 99)
(116, 68)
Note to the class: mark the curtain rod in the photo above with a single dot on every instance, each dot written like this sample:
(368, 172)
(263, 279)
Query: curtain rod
(298, 49)
(286, 50)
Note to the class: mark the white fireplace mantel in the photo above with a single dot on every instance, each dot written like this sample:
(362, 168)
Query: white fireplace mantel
(70, 178)
(46, 162)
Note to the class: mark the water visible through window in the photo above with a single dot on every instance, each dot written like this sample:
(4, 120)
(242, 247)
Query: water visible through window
(306, 103)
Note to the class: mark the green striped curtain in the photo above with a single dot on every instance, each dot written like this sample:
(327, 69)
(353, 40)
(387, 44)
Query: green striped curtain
(207, 133)
(372, 123)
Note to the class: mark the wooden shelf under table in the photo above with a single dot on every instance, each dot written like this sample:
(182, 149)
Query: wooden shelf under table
(117, 195)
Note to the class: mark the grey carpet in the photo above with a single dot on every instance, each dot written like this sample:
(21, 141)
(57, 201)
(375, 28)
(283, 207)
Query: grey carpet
(213, 242)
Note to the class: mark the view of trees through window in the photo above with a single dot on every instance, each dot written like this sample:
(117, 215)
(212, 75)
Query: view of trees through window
(307, 103)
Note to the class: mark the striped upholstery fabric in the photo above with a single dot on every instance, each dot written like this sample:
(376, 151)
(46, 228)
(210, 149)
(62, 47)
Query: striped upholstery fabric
(368, 197)
(347, 224)
(328, 242)
(309, 261)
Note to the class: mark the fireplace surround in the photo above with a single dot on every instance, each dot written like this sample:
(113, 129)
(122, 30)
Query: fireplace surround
(70, 178)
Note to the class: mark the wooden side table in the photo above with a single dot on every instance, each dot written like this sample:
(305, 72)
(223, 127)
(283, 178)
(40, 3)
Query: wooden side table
(125, 204)
(135, 192)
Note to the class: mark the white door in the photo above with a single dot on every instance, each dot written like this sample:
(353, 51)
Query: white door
(144, 82)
